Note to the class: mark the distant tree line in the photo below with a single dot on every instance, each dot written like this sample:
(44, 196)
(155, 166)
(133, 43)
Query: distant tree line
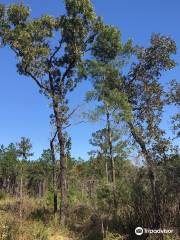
(91, 193)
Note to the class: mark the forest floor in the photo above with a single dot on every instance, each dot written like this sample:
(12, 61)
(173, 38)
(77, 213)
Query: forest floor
(37, 223)
(59, 237)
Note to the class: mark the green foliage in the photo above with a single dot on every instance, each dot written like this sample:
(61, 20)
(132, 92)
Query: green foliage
(113, 236)
(100, 141)
(107, 45)
(17, 14)
(24, 147)
(105, 196)
(3, 195)
(8, 167)
(84, 7)
(32, 40)
(173, 97)
(176, 124)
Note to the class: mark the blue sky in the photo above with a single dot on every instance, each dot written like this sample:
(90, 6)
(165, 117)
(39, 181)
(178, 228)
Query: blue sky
(24, 112)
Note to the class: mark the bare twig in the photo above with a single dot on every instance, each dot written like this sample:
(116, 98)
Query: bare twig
(74, 124)
(73, 111)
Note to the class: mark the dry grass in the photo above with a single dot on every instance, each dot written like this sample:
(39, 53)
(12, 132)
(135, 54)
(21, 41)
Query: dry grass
(32, 229)
(59, 237)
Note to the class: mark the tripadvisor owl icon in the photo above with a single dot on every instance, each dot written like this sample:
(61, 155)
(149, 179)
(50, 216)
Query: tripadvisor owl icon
(139, 231)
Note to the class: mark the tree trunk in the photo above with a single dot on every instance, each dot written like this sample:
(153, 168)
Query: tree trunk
(61, 141)
(106, 166)
(152, 176)
(39, 190)
(102, 230)
(113, 174)
(21, 196)
(154, 190)
(54, 175)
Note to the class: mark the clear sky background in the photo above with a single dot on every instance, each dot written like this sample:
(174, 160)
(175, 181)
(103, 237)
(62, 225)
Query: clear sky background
(24, 112)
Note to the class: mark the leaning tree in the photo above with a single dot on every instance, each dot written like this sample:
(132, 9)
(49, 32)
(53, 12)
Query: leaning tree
(144, 88)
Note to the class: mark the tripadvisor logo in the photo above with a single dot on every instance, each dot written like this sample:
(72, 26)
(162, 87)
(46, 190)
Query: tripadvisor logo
(139, 231)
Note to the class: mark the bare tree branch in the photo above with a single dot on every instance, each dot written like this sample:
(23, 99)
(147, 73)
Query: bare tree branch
(56, 50)
(73, 111)
(41, 86)
(74, 124)
(53, 138)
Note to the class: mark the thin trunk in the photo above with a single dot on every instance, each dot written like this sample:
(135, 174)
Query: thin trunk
(61, 141)
(43, 187)
(21, 197)
(54, 175)
(102, 229)
(107, 178)
(109, 130)
(39, 190)
(154, 190)
(113, 173)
